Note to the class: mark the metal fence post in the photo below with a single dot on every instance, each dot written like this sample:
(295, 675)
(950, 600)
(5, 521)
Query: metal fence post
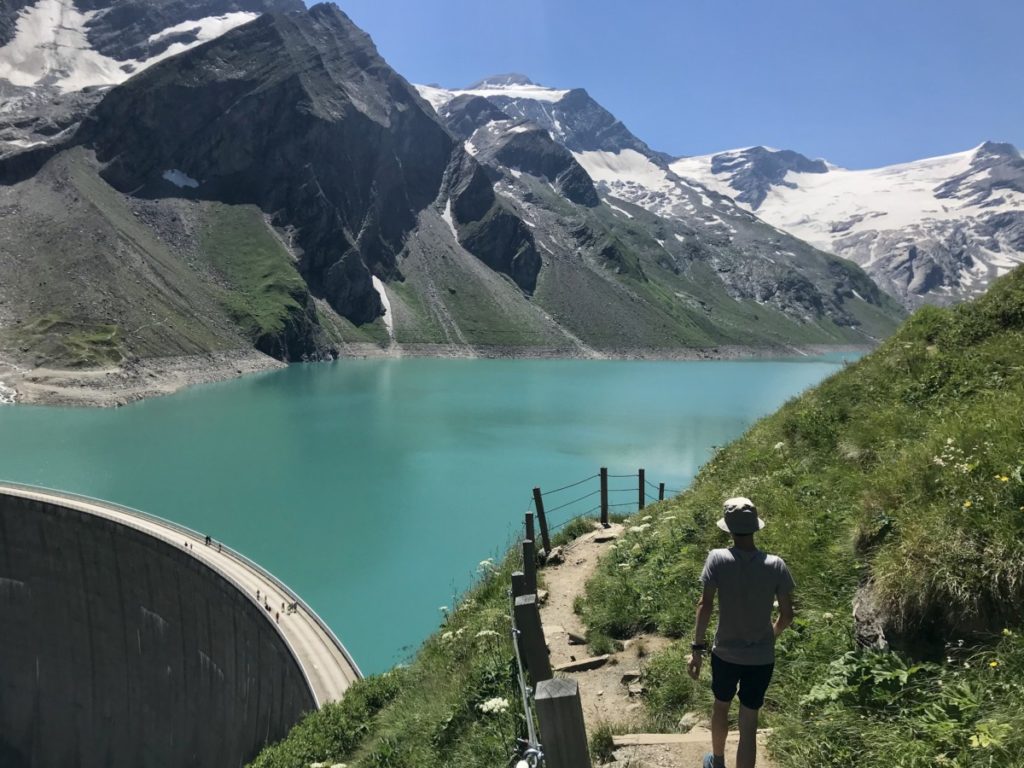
(661, 491)
(643, 490)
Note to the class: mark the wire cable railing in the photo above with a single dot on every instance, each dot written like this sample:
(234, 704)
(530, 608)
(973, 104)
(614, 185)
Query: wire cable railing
(610, 499)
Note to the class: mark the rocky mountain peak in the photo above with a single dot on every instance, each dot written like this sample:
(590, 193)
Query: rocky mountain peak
(997, 149)
(499, 81)
(755, 170)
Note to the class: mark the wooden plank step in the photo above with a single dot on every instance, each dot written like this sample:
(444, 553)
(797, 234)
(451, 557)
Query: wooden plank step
(583, 665)
(696, 736)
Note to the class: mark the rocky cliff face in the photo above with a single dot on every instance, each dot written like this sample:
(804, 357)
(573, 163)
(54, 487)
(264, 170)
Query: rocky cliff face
(298, 114)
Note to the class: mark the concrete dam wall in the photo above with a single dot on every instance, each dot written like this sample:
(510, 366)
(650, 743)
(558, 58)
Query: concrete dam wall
(118, 648)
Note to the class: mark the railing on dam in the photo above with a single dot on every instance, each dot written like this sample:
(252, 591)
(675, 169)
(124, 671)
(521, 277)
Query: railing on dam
(80, 500)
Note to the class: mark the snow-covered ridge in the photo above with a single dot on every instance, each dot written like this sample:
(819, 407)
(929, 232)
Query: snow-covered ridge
(927, 227)
(817, 206)
(50, 47)
(438, 97)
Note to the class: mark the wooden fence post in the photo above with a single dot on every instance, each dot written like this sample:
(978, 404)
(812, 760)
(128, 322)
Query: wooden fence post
(530, 566)
(604, 497)
(562, 731)
(531, 638)
(519, 585)
(538, 502)
(661, 491)
(529, 526)
(643, 490)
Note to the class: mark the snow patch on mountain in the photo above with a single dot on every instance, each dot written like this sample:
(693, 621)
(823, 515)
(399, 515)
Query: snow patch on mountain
(180, 179)
(389, 318)
(50, 47)
(625, 167)
(447, 216)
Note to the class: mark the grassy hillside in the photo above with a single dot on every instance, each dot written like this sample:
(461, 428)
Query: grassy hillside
(898, 481)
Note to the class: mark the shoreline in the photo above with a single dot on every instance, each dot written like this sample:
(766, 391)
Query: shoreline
(154, 377)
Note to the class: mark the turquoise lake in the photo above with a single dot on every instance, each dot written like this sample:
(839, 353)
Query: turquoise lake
(375, 487)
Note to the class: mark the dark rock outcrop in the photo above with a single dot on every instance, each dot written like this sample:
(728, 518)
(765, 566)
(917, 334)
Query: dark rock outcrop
(298, 114)
(488, 230)
(754, 171)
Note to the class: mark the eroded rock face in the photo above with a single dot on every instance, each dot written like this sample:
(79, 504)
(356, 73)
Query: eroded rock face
(502, 142)
(488, 230)
(298, 114)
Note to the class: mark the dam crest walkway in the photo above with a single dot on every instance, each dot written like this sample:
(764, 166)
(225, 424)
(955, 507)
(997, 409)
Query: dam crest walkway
(326, 664)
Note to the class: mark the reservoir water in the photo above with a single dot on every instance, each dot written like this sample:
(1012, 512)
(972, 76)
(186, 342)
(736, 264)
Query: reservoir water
(375, 487)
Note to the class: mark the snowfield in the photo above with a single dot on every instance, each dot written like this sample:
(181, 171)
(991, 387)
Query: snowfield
(50, 47)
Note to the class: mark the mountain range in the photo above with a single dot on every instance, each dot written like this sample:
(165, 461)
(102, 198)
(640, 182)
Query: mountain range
(931, 231)
(187, 177)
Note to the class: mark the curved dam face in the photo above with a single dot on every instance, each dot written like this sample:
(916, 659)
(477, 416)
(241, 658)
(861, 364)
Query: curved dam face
(118, 649)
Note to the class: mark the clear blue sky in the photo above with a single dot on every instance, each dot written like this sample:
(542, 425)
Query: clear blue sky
(859, 82)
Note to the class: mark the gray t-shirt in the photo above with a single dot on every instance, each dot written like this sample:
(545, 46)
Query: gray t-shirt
(747, 583)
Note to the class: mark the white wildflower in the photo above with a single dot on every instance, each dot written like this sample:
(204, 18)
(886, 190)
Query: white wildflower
(645, 518)
(666, 518)
(779, 446)
(487, 566)
(937, 461)
(447, 636)
(486, 633)
(493, 706)
(827, 616)
(443, 608)
(949, 441)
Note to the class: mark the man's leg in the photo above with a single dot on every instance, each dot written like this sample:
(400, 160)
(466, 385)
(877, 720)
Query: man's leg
(754, 682)
(719, 730)
(746, 753)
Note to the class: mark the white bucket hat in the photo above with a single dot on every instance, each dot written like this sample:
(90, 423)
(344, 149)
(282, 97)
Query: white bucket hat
(740, 516)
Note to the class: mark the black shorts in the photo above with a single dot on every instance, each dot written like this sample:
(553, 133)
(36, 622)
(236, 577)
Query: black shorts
(752, 680)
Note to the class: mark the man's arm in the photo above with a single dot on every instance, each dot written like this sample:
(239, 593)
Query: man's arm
(704, 609)
(785, 613)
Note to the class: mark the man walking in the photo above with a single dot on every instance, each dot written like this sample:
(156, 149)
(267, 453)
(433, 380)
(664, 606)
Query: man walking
(748, 582)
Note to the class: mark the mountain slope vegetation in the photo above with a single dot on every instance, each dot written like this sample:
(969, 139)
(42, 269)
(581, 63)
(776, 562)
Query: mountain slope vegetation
(895, 486)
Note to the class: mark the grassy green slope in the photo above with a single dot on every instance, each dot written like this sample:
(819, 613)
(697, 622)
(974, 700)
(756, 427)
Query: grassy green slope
(637, 296)
(90, 282)
(263, 281)
(902, 476)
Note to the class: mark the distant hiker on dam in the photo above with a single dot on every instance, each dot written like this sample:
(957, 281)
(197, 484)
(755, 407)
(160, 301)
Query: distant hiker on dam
(748, 583)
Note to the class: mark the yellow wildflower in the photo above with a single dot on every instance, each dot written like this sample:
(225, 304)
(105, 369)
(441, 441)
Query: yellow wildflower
(968, 504)
(1007, 632)
(993, 664)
